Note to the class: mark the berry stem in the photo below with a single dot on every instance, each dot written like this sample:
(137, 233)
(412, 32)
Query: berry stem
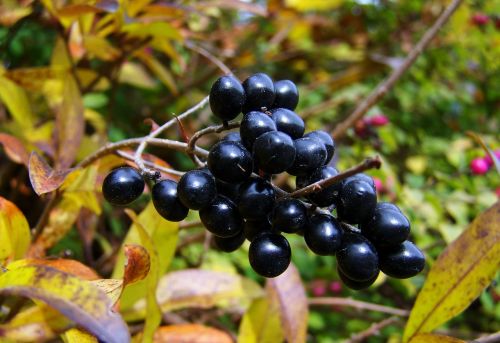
(191, 146)
(360, 305)
(373, 330)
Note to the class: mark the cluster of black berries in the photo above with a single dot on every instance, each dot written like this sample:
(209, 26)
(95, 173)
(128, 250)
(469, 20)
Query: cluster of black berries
(236, 200)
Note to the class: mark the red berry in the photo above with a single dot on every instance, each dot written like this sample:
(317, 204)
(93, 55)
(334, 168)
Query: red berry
(378, 120)
(335, 287)
(318, 288)
(379, 185)
(479, 166)
(479, 19)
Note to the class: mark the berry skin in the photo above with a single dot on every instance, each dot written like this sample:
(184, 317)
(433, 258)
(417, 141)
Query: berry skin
(323, 234)
(196, 189)
(288, 122)
(253, 228)
(403, 261)
(167, 202)
(356, 285)
(256, 198)
(387, 227)
(479, 166)
(327, 140)
(232, 136)
(269, 254)
(221, 217)
(287, 94)
(357, 257)
(274, 152)
(230, 190)
(230, 162)
(386, 206)
(328, 195)
(357, 201)
(310, 154)
(377, 120)
(122, 186)
(253, 125)
(289, 215)
(229, 244)
(227, 97)
(361, 177)
(259, 92)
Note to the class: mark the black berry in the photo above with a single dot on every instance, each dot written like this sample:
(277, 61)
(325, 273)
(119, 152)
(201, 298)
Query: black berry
(289, 215)
(323, 234)
(269, 254)
(386, 227)
(253, 228)
(309, 154)
(221, 217)
(288, 122)
(122, 186)
(356, 285)
(287, 94)
(326, 139)
(196, 189)
(387, 206)
(232, 136)
(357, 257)
(403, 261)
(230, 161)
(229, 244)
(227, 97)
(253, 125)
(357, 201)
(259, 92)
(166, 201)
(274, 152)
(327, 196)
(256, 198)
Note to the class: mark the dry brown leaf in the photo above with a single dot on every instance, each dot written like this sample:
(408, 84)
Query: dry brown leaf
(43, 178)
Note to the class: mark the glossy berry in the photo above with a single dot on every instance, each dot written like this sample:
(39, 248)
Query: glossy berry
(386, 227)
(288, 122)
(259, 92)
(232, 136)
(377, 120)
(269, 254)
(122, 186)
(256, 198)
(229, 244)
(357, 201)
(230, 190)
(287, 94)
(289, 215)
(166, 201)
(326, 139)
(356, 285)
(479, 166)
(361, 177)
(274, 152)
(309, 154)
(230, 162)
(323, 234)
(403, 261)
(327, 196)
(221, 217)
(196, 189)
(253, 125)
(253, 228)
(357, 257)
(387, 206)
(227, 97)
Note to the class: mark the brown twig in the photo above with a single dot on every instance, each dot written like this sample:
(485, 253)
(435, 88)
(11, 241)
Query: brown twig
(209, 56)
(488, 339)
(189, 225)
(373, 330)
(360, 305)
(208, 130)
(169, 171)
(369, 163)
(44, 217)
(389, 82)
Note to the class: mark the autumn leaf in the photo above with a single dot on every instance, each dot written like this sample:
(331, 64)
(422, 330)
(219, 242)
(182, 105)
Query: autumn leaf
(137, 264)
(16, 101)
(261, 323)
(43, 178)
(192, 333)
(14, 148)
(15, 235)
(433, 338)
(459, 275)
(79, 336)
(72, 267)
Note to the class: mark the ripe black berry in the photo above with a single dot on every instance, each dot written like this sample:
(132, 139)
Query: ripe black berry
(274, 152)
(310, 154)
(230, 161)
(221, 217)
(361, 177)
(229, 244)
(386, 227)
(387, 206)
(253, 125)
(227, 97)
(232, 136)
(289, 215)
(357, 257)
(230, 190)
(259, 92)
(323, 234)
(288, 122)
(253, 228)
(122, 186)
(328, 195)
(356, 285)
(256, 198)
(357, 201)
(287, 94)
(326, 139)
(403, 261)
(196, 189)
(166, 201)
(269, 254)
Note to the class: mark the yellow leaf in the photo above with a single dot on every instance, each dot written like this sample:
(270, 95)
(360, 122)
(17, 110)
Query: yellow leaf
(16, 101)
(313, 5)
(14, 232)
(100, 48)
(135, 75)
(78, 336)
(459, 275)
(72, 267)
(157, 29)
(417, 164)
(160, 71)
(433, 338)
(113, 288)
(261, 323)
(76, 299)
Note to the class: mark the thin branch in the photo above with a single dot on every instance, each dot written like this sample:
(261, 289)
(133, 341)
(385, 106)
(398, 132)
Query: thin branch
(208, 130)
(44, 217)
(205, 53)
(389, 82)
(488, 339)
(169, 171)
(373, 330)
(369, 163)
(189, 225)
(360, 305)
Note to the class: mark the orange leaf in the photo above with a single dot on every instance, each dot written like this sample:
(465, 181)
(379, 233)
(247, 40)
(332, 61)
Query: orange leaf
(190, 333)
(71, 267)
(137, 263)
(42, 177)
(14, 148)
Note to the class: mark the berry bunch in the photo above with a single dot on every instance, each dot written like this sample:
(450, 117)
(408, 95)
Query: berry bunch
(236, 199)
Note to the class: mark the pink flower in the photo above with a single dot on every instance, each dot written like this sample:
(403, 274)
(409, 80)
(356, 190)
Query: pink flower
(479, 166)
(378, 120)
(479, 19)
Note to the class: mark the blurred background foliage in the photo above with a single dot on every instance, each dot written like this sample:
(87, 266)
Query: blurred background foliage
(136, 60)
